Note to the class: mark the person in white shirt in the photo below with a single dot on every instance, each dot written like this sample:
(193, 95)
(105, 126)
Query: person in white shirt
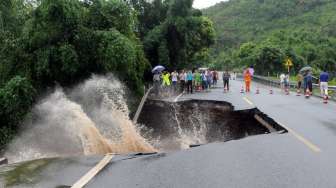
(182, 77)
(286, 82)
(174, 78)
(234, 76)
(282, 80)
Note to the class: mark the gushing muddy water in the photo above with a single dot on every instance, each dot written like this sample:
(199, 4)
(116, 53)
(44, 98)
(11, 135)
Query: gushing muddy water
(90, 119)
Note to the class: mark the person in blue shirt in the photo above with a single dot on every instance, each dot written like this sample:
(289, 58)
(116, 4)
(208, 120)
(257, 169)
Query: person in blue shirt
(324, 78)
(189, 82)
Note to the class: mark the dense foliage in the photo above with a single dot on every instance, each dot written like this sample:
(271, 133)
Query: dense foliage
(49, 42)
(16, 98)
(265, 32)
(180, 38)
(60, 41)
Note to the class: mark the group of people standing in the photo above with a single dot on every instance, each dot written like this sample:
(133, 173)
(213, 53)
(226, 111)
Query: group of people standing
(247, 75)
(197, 80)
(189, 81)
(284, 81)
(305, 82)
(202, 80)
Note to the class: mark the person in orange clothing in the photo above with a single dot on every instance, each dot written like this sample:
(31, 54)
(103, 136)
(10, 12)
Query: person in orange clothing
(247, 78)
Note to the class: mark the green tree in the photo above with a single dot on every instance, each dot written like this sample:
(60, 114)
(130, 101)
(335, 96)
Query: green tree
(16, 98)
(106, 14)
(184, 33)
(60, 41)
(149, 14)
(269, 58)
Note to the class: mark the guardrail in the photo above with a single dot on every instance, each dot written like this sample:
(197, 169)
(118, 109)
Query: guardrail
(293, 85)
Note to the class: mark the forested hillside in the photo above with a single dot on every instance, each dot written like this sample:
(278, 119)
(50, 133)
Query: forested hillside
(264, 32)
(44, 43)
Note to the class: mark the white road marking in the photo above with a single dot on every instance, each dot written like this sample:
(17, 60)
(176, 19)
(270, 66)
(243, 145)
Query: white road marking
(309, 144)
(248, 101)
(93, 172)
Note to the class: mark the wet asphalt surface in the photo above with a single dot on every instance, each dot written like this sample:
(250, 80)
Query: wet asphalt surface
(272, 160)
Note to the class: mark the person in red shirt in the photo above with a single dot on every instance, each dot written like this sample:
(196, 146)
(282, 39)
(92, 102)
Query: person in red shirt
(247, 78)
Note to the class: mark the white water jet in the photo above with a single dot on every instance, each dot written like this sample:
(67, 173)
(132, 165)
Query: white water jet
(195, 135)
(91, 119)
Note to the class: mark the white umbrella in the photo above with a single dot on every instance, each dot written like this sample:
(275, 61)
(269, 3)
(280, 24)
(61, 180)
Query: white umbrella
(158, 68)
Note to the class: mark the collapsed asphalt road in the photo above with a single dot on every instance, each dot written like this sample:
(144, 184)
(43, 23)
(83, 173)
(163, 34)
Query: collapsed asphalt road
(303, 158)
(177, 125)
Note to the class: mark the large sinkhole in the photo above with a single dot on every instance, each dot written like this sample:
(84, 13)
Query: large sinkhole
(176, 126)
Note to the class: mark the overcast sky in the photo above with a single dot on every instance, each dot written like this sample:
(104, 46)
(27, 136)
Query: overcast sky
(205, 3)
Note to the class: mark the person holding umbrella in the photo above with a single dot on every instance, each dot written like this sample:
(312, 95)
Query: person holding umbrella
(309, 83)
(157, 78)
(307, 80)
(157, 81)
(158, 69)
